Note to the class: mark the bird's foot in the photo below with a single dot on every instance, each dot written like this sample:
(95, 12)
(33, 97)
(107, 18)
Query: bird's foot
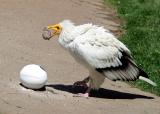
(85, 95)
(81, 83)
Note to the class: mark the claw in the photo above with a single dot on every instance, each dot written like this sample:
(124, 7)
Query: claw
(85, 95)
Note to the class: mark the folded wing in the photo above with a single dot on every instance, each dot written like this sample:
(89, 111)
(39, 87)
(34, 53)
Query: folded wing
(107, 55)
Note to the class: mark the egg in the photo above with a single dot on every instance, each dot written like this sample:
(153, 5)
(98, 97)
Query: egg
(33, 76)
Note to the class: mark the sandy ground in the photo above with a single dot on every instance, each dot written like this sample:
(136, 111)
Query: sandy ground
(21, 23)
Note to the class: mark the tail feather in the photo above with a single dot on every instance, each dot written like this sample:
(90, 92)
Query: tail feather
(144, 76)
(142, 73)
(147, 80)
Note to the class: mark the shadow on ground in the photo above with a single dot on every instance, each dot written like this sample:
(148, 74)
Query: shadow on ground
(101, 93)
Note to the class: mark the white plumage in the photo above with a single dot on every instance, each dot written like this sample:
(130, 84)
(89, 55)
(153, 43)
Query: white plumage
(99, 51)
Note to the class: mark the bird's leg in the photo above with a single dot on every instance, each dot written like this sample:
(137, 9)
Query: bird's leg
(82, 83)
(86, 94)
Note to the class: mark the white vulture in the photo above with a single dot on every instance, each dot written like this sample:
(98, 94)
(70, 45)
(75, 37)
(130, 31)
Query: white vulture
(99, 51)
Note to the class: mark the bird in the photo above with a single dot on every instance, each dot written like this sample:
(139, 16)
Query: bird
(98, 50)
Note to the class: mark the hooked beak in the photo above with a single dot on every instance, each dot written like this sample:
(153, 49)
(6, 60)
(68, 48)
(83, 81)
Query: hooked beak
(50, 31)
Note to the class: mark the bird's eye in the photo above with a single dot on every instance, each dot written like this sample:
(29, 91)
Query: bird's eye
(57, 27)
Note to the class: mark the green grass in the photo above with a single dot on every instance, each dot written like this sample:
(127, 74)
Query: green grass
(142, 36)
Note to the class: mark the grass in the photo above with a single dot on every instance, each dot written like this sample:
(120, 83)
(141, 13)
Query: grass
(142, 36)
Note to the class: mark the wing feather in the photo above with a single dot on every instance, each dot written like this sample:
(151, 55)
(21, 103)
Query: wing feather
(103, 52)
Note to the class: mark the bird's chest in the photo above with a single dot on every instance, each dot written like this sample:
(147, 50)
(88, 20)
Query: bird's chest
(78, 57)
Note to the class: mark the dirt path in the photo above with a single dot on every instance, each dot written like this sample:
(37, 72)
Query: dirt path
(21, 22)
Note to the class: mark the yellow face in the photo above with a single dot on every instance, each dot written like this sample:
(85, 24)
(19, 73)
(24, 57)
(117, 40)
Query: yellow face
(55, 28)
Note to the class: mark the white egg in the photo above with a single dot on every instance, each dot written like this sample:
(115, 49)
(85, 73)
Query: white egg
(33, 76)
